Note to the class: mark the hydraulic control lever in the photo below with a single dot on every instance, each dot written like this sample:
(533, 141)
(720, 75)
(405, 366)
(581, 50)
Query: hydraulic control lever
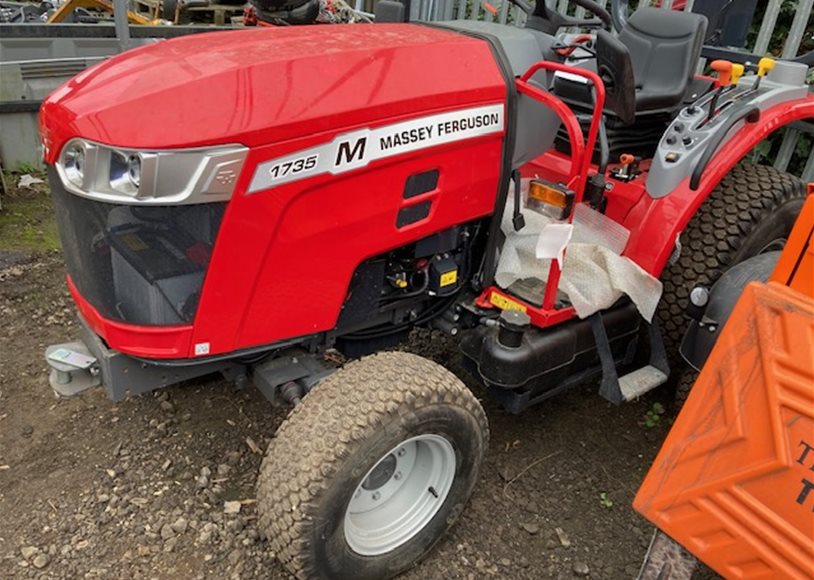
(737, 72)
(764, 65)
(724, 70)
(629, 168)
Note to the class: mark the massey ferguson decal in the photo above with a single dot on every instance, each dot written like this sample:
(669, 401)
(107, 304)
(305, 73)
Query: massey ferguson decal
(358, 148)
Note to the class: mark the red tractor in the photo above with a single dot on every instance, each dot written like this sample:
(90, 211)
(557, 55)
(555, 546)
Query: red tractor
(245, 202)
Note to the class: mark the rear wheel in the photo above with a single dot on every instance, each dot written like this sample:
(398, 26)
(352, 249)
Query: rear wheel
(751, 211)
(371, 469)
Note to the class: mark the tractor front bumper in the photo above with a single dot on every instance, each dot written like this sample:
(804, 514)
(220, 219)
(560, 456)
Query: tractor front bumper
(81, 365)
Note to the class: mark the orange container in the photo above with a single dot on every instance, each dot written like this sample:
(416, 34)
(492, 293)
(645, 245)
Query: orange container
(796, 265)
(734, 481)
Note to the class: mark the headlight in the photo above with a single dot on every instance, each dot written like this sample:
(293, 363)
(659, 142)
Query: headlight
(134, 170)
(122, 169)
(178, 176)
(74, 163)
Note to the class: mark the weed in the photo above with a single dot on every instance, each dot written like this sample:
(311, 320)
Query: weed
(25, 167)
(605, 501)
(27, 220)
(653, 416)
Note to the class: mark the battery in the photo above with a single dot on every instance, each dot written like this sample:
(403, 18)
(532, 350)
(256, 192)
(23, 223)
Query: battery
(154, 278)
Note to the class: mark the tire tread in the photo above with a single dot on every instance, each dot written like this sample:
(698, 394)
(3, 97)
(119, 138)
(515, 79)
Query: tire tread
(343, 410)
(713, 240)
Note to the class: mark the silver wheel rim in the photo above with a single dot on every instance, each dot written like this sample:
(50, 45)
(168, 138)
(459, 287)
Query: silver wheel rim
(399, 496)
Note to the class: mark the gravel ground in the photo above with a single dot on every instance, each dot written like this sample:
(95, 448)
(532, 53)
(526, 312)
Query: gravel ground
(162, 485)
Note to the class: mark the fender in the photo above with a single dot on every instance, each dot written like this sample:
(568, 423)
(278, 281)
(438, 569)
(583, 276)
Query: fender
(655, 224)
(703, 332)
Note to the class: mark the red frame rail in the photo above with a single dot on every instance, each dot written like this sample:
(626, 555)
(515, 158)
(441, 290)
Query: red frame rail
(581, 153)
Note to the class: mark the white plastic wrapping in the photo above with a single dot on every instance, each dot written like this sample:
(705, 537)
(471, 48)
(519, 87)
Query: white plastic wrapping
(594, 275)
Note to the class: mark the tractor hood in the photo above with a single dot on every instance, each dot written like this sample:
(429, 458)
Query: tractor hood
(268, 85)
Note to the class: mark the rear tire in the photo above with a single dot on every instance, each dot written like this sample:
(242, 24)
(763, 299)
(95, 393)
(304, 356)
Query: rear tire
(751, 211)
(347, 441)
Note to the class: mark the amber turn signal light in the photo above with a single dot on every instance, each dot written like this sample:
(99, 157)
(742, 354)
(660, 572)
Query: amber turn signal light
(552, 195)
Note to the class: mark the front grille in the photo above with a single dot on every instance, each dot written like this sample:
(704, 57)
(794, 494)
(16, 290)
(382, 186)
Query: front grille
(134, 263)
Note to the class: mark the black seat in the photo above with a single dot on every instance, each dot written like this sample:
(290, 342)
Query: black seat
(648, 66)
(664, 47)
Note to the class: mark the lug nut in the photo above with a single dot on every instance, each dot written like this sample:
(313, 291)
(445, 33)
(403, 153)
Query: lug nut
(376, 495)
(397, 475)
(401, 452)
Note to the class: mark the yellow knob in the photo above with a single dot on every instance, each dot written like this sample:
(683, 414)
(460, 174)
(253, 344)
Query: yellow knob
(737, 73)
(765, 65)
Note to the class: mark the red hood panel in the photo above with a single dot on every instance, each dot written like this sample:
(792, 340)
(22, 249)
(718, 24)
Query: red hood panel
(266, 85)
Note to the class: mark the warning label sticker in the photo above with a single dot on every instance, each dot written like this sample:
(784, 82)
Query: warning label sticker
(358, 148)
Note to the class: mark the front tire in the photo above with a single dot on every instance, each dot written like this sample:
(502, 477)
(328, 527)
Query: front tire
(371, 469)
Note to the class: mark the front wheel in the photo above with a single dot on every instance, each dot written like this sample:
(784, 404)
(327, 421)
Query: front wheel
(371, 469)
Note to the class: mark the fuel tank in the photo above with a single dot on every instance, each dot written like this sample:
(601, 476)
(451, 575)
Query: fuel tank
(335, 123)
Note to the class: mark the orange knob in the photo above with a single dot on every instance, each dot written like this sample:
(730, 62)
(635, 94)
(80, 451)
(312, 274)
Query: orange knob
(724, 70)
(626, 159)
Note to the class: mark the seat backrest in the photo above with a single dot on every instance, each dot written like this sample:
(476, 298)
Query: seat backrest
(664, 47)
(614, 66)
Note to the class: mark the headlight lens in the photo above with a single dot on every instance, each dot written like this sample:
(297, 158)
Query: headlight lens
(120, 173)
(73, 160)
(178, 176)
(134, 170)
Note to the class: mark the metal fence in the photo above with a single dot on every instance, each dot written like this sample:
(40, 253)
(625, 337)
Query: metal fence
(501, 11)
(507, 13)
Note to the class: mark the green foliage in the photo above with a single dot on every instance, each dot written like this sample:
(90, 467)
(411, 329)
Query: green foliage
(781, 30)
(24, 167)
(766, 150)
(605, 501)
(654, 415)
(27, 220)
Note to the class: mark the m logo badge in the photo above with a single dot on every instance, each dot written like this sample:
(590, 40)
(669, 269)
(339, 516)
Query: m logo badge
(350, 154)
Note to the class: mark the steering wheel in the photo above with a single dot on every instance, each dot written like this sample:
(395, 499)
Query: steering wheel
(547, 20)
